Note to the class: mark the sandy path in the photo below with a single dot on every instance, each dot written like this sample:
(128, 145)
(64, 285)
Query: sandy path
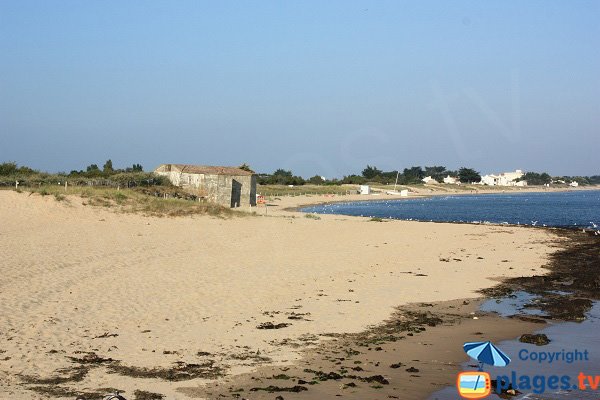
(71, 273)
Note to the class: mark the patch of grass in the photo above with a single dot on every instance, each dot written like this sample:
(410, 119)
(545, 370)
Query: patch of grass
(59, 197)
(144, 201)
(283, 190)
(377, 219)
(120, 197)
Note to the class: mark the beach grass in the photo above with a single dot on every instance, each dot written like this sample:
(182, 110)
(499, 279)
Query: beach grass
(138, 200)
(274, 191)
(305, 190)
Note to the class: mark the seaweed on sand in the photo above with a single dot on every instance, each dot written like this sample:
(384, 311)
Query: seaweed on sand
(180, 372)
(144, 395)
(271, 389)
(65, 375)
(567, 291)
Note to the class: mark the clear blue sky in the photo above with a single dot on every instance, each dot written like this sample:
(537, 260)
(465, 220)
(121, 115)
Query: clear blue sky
(318, 87)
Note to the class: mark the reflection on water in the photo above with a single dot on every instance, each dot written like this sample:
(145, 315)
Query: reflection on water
(568, 336)
(514, 304)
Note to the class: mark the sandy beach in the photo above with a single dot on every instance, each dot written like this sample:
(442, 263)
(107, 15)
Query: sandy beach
(92, 299)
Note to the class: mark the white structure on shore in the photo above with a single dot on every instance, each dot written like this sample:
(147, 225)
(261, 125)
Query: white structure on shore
(504, 179)
(574, 184)
(451, 180)
(429, 179)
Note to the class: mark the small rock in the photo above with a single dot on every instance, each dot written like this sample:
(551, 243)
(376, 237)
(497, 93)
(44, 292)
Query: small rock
(538, 339)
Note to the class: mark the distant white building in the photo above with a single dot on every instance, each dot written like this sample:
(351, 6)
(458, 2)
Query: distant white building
(574, 184)
(429, 179)
(451, 180)
(504, 179)
(490, 180)
(365, 189)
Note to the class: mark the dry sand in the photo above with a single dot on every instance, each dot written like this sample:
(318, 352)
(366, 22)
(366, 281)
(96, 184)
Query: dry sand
(150, 292)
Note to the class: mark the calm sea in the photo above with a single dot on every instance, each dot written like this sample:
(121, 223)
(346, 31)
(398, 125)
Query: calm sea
(559, 209)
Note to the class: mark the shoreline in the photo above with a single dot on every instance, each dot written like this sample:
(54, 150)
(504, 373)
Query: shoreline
(382, 265)
(414, 353)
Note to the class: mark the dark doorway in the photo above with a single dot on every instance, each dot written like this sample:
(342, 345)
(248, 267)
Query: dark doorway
(236, 193)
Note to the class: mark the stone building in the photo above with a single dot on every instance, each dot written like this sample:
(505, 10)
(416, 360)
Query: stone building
(228, 186)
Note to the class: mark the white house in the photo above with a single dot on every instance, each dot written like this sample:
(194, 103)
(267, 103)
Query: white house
(451, 180)
(504, 179)
(429, 179)
(574, 184)
(490, 180)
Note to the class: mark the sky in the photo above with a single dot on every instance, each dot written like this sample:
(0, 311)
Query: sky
(309, 86)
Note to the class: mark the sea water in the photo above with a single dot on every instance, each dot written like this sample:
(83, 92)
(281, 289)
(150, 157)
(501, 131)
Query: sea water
(575, 209)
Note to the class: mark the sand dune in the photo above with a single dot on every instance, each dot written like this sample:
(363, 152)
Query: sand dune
(150, 291)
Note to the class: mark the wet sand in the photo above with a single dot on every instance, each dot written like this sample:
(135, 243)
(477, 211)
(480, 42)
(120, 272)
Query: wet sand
(93, 299)
(416, 352)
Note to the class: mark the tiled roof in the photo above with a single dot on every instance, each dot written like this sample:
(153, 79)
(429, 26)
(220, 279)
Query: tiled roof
(209, 170)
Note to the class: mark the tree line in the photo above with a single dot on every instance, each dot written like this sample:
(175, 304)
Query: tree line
(370, 174)
(108, 174)
(411, 176)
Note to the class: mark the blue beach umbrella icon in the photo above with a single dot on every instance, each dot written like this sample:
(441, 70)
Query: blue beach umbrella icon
(486, 353)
